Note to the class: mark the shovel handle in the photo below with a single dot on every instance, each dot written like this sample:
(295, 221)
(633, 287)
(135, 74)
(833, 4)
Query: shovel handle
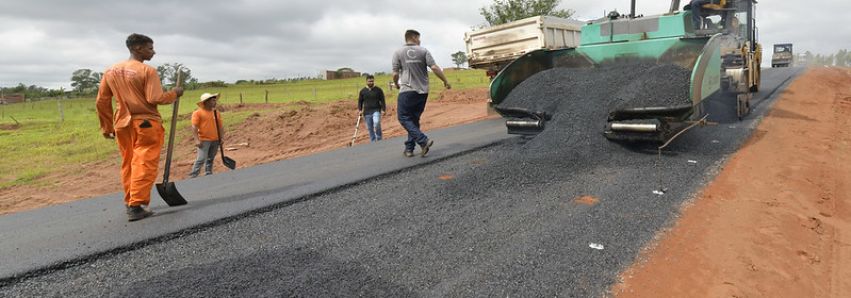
(357, 125)
(218, 135)
(174, 113)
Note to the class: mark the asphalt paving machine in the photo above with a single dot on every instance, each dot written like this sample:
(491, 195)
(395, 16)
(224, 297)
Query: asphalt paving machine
(722, 53)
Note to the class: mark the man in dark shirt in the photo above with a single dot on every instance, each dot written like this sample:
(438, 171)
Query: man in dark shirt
(371, 106)
(696, 13)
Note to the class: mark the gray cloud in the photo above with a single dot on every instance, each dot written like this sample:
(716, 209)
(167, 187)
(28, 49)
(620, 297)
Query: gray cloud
(255, 39)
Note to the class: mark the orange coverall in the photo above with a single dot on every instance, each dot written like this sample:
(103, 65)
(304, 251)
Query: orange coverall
(136, 123)
(203, 120)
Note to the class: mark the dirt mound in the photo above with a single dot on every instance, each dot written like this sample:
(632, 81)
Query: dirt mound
(14, 126)
(464, 96)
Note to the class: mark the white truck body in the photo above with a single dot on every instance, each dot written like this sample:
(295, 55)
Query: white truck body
(498, 45)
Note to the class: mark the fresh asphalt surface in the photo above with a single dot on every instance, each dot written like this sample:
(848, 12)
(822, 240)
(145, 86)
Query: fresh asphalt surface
(66, 234)
(414, 234)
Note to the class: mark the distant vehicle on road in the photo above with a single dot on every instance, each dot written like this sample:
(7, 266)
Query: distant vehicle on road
(782, 55)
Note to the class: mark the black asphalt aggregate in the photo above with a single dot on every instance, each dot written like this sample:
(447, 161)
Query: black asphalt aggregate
(608, 88)
(500, 221)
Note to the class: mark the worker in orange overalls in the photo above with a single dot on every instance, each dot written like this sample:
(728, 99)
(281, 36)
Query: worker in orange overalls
(136, 124)
(207, 133)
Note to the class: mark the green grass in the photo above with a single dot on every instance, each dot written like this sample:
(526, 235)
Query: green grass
(43, 144)
(324, 91)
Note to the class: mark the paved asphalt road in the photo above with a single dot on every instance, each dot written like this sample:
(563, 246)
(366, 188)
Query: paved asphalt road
(52, 237)
(492, 222)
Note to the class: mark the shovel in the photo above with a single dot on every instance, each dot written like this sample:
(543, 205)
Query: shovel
(167, 189)
(227, 161)
(357, 125)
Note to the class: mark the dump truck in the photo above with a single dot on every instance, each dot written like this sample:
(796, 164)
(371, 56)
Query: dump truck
(782, 56)
(721, 53)
(493, 47)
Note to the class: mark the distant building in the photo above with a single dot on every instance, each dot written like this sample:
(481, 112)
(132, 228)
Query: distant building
(342, 73)
(12, 98)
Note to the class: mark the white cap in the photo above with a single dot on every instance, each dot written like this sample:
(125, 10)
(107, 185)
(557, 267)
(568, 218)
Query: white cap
(205, 97)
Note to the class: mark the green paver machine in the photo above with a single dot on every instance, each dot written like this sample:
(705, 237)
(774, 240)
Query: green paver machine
(722, 54)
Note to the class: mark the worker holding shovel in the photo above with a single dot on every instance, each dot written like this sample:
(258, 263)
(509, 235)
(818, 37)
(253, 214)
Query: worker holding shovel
(136, 124)
(207, 132)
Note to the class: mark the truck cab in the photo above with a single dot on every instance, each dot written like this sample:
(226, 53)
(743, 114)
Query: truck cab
(782, 55)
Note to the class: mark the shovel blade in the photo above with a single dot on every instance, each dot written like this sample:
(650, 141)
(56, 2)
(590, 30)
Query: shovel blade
(229, 162)
(170, 194)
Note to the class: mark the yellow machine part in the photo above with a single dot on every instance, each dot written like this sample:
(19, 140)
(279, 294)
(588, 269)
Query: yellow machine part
(713, 6)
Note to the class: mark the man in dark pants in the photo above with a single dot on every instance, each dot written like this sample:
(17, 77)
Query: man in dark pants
(371, 106)
(696, 10)
(410, 74)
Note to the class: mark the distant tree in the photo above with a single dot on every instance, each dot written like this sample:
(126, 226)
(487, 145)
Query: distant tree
(192, 84)
(841, 58)
(162, 71)
(85, 79)
(168, 74)
(459, 58)
(213, 84)
(96, 78)
(80, 79)
(809, 59)
(505, 11)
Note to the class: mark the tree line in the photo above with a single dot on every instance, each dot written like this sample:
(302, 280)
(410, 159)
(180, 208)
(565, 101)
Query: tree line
(841, 58)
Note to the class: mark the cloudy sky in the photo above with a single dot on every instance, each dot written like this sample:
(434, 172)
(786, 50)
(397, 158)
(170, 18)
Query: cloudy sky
(45, 40)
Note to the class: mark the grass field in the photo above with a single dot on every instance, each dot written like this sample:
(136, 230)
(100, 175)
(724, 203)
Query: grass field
(35, 140)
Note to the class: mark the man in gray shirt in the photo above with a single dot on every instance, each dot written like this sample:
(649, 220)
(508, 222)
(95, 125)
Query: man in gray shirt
(410, 74)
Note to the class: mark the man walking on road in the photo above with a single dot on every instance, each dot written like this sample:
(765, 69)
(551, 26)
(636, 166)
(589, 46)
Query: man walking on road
(410, 74)
(371, 105)
(207, 132)
(136, 124)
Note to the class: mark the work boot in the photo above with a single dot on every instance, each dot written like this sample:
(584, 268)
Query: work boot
(135, 213)
(409, 153)
(426, 146)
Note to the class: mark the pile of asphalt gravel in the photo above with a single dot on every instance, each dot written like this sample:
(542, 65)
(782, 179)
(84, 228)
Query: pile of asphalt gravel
(579, 93)
(656, 86)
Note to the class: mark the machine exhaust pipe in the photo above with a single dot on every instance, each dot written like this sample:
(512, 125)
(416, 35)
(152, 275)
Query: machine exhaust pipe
(632, 10)
(524, 126)
(523, 121)
(675, 6)
(634, 127)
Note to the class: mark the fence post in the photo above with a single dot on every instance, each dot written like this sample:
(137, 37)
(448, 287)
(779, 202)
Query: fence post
(267, 96)
(61, 112)
(240, 98)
